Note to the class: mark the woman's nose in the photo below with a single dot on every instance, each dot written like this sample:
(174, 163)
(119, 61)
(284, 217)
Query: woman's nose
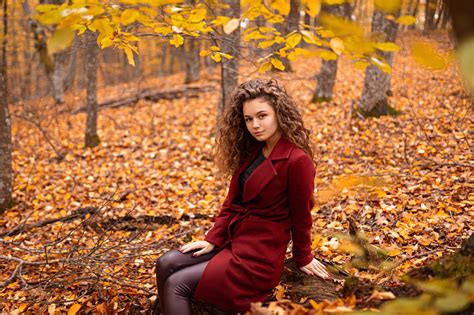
(255, 123)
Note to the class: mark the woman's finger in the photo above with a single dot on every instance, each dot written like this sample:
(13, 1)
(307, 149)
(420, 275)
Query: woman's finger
(200, 252)
(186, 248)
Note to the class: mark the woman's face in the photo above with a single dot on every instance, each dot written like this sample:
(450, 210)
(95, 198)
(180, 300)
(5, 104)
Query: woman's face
(260, 119)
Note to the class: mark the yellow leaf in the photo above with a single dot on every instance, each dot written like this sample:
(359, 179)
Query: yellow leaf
(227, 56)
(216, 57)
(326, 54)
(425, 54)
(337, 45)
(265, 67)
(313, 7)
(177, 40)
(266, 43)
(220, 20)
(60, 40)
(204, 53)
(406, 20)
(282, 6)
(215, 48)
(129, 53)
(129, 16)
(394, 252)
(388, 46)
(231, 26)
(382, 65)
(74, 309)
(293, 40)
(310, 38)
(387, 6)
(277, 64)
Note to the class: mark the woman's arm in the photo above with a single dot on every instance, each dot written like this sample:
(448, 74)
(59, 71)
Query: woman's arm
(300, 200)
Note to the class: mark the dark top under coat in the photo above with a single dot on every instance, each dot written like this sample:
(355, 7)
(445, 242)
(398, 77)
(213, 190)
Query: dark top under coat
(246, 174)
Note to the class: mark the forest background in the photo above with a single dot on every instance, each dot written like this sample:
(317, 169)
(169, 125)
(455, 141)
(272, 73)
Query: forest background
(106, 154)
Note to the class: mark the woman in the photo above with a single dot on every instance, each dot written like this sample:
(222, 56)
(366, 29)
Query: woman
(266, 147)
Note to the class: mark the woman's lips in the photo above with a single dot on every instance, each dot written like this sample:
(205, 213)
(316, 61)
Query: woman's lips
(259, 133)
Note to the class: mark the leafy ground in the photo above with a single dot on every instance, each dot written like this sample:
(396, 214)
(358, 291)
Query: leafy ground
(151, 185)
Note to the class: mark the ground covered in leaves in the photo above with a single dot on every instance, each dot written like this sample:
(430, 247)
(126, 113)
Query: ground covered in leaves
(151, 185)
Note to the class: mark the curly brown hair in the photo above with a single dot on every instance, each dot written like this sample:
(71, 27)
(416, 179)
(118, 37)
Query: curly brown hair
(234, 140)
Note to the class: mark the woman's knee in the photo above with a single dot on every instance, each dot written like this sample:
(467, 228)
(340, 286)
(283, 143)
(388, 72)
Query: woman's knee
(168, 261)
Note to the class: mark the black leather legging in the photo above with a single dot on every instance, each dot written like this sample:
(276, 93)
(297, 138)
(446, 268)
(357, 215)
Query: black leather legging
(177, 276)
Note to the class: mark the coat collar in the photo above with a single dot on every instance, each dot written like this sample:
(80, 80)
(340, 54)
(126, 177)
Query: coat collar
(265, 172)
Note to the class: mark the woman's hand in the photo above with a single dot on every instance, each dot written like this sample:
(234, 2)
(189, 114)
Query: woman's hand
(316, 268)
(205, 247)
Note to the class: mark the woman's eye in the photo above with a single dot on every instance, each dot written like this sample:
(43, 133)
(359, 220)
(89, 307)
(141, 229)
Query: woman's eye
(262, 116)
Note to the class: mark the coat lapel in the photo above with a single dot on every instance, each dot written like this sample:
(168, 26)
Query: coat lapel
(265, 172)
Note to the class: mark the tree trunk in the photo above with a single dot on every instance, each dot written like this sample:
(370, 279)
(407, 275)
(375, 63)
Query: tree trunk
(430, 10)
(5, 124)
(374, 101)
(192, 61)
(229, 67)
(91, 138)
(327, 74)
(71, 68)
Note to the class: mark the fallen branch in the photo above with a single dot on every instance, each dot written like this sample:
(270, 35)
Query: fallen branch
(79, 213)
(153, 95)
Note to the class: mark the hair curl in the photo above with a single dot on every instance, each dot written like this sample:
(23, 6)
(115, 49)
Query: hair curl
(234, 140)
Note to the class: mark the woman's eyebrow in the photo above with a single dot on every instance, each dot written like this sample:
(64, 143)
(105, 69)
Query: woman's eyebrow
(262, 111)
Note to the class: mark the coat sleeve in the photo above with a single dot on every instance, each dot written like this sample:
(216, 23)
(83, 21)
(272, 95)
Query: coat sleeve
(300, 200)
(218, 233)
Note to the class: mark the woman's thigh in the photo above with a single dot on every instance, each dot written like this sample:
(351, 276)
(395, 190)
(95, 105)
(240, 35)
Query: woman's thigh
(174, 260)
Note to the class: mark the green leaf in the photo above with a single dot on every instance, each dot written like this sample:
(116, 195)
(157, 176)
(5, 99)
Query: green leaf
(60, 40)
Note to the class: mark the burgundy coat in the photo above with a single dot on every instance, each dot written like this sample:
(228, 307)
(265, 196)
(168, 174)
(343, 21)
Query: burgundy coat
(277, 199)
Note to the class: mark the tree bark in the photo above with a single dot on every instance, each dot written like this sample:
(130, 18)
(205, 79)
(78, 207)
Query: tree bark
(328, 71)
(374, 101)
(229, 67)
(91, 137)
(5, 123)
(192, 61)
(430, 10)
(71, 67)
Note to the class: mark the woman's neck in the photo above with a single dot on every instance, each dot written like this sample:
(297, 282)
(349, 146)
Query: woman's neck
(270, 144)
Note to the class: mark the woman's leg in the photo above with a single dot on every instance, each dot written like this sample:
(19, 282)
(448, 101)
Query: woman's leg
(173, 261)
(180, 287)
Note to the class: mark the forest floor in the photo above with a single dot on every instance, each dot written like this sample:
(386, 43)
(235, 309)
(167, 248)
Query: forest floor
(151, 186)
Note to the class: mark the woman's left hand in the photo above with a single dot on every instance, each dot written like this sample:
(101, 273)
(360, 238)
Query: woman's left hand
(316, 268)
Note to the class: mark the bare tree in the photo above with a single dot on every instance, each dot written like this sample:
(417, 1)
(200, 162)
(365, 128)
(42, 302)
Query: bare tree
(91, 137)
(230, 44)
(5, 122)
(328, 71)
(374, 99)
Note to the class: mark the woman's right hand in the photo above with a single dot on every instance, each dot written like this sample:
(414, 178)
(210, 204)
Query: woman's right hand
(205, 247)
